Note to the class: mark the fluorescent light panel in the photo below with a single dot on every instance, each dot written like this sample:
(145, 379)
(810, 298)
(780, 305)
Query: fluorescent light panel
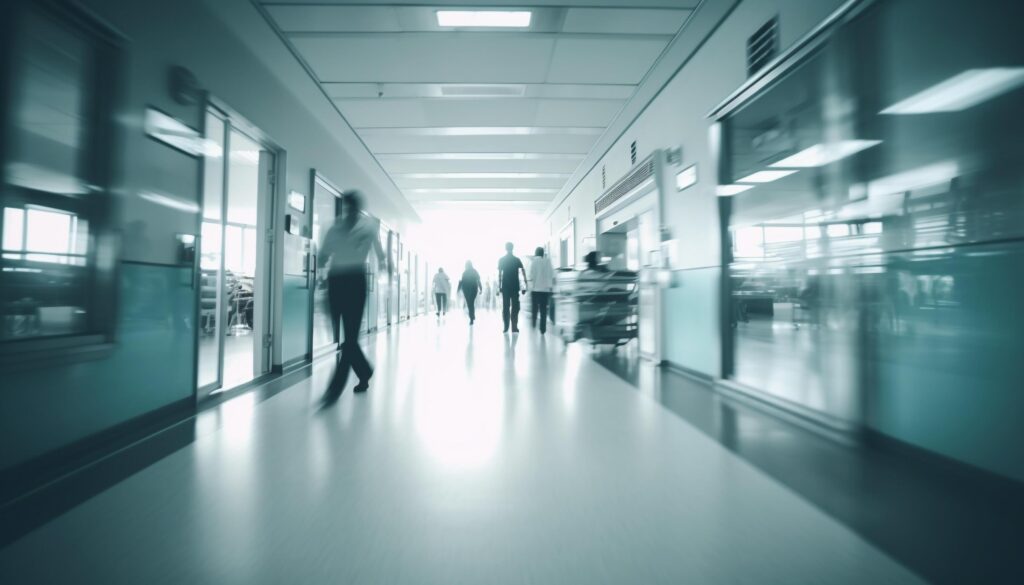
(961, 91)
(765, 176)
(730, 190)
(822, 154)
(484, 18)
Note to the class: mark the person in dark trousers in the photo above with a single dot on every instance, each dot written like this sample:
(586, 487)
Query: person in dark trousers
(345, 248)
(509, 268)
(470, 286)
(542, 282)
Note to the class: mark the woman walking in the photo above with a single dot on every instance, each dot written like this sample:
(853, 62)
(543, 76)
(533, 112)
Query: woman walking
(442, 288)
(470, 286)
(542, 281)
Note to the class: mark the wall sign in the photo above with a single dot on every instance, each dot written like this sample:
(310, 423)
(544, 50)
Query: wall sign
(686, 178)
(297, 201)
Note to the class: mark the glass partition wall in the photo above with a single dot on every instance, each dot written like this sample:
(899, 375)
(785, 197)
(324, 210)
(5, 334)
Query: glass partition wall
(874, 214)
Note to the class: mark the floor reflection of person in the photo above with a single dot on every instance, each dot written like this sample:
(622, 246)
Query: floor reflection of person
(509, 268)
(470, 287)
(345, 249)
(542, 280)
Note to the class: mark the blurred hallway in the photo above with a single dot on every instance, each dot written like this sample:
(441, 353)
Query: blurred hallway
(474, 458)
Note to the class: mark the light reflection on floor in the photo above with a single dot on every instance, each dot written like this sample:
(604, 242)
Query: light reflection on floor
(474, 458)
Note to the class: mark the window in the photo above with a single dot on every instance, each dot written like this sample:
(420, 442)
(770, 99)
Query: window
(55, 172)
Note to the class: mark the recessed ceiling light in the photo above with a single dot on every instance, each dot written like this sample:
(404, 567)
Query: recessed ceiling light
(484, 18)
(765, 176)
(960, 92)
(730, 190)
(823, 154)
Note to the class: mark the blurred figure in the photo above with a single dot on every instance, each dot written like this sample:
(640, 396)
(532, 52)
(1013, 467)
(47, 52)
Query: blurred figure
(442, 288)
(346, 246)
(509, 268)
(542, 281)
(488, 295)
(593, 260)
(470, 286)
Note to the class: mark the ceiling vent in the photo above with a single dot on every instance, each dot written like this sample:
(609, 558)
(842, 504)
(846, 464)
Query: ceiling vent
(604, 178)
(763, 46)
(483, 90)
(625, 186)
(632, 153)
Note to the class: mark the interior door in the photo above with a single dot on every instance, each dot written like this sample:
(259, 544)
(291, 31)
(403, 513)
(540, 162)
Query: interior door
(235, 252)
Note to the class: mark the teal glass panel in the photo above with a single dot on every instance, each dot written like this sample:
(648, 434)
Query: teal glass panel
(692, 333)
(295, 318)
(151, 366)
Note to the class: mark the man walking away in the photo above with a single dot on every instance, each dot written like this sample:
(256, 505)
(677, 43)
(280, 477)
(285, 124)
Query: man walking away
(509, 268)
(442, 287)
(346, 246)
(470, 286)
(542, 281)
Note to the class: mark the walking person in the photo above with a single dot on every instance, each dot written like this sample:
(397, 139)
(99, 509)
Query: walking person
(509, 268)
(470, 286)
(345, 248)
(542, 282)
(442, 288)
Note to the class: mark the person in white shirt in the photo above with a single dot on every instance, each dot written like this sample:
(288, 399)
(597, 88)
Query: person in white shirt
(345, 248)
(442, 288)
(542, 282)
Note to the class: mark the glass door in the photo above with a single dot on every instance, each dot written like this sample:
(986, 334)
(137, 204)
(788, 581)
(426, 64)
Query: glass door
(234, 330)
(325, 209)
(383, 281)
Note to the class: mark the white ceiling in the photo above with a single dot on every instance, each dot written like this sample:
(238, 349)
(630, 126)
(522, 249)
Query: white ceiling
(479, 115)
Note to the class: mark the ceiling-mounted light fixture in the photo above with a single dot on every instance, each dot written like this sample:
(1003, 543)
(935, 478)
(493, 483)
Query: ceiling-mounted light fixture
(960, 92)
(484, 18)
(730, 190)
(822, 154)
(765, 176)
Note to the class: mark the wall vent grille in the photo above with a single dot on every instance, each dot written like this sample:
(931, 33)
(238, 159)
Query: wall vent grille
(637, 176)
(604, 178)
(763, 46)
(632, 153)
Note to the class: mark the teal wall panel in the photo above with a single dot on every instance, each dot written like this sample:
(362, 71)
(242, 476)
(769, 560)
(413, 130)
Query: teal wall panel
(295, 318)
(151, 366)
(692, 333)
(947, 374)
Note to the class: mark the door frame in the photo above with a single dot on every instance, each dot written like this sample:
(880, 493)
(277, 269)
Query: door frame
(316, 178)
(271, 185)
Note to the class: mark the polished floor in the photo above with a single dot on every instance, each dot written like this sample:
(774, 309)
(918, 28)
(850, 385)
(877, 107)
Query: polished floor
(475, 458)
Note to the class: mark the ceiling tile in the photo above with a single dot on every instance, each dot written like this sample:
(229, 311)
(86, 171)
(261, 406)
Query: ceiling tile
(624, 21)
(603, 60)
(335, 18)
(427, 57)
(537, 143)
